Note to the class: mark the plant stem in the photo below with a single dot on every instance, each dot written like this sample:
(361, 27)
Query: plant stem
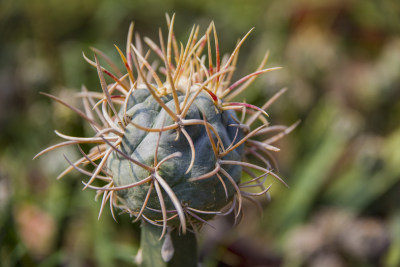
(184, 246)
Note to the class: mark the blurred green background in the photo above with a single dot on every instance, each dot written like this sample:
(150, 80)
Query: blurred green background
(341, 64)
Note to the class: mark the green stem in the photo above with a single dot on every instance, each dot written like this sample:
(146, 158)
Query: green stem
(184, 246)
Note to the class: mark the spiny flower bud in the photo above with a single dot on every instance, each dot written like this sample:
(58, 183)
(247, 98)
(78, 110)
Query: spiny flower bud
(169, 147)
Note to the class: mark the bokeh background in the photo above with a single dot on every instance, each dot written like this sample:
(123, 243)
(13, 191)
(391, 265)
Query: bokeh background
(341, 64)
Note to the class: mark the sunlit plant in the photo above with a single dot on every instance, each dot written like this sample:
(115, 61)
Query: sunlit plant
(169, 148)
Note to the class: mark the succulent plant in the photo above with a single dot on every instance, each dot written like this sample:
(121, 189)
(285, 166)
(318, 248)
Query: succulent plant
(172, 153)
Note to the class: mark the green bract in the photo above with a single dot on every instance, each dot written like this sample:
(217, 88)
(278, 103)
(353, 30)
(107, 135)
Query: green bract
(208, 194)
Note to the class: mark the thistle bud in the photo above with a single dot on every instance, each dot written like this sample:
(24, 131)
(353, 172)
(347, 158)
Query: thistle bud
(169, 147)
